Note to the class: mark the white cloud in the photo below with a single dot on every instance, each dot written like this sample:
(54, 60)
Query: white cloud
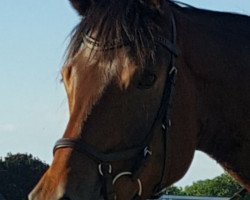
(7, 127)
(203, 167)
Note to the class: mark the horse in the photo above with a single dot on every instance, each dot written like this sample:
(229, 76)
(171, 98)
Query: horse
(149, 82)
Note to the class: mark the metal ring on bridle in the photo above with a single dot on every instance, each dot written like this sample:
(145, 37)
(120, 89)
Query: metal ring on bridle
(100, 169)
(128, 174)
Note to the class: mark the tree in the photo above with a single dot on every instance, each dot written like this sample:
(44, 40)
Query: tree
(18, 175)
(221, 186)
(174, 190)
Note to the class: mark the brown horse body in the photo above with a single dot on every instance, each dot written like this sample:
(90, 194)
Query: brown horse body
(210, 112)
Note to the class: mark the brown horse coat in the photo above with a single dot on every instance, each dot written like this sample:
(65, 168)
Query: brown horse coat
(211, 106)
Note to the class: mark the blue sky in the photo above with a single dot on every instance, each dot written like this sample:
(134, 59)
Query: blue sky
(33, 105)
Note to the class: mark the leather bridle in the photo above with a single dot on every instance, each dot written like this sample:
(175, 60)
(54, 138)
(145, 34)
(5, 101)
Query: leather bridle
(104, 160)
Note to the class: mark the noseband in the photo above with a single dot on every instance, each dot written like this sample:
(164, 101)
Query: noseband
(142, 150)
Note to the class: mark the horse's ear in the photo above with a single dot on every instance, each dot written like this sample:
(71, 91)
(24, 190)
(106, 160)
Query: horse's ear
(153, 4)
(81, 5)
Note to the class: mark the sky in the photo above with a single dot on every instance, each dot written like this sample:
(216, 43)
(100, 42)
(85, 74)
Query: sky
(33, 104)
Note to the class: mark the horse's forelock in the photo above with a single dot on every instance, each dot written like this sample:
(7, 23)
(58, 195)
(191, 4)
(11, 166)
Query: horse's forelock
(126, 20)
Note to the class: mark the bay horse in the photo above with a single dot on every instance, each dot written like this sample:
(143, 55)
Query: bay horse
(148, 83)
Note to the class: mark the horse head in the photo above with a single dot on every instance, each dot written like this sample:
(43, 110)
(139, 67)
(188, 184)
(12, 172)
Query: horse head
(116, 78)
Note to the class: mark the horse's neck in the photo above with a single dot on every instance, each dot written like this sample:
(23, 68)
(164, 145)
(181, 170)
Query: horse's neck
(211, 45)
(217, 56)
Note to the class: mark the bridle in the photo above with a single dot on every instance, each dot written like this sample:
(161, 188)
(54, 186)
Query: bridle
(104, 159)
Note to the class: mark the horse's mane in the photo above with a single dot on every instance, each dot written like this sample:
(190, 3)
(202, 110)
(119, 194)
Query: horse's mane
(131, 21)
(123, 20)
(220, 21)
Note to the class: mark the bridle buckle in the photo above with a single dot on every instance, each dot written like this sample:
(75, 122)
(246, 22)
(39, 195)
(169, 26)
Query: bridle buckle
(147, 151)
(173, 70)
(100, 168)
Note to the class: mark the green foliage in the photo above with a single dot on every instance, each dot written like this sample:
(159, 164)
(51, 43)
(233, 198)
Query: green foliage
(18, 175)
(247, 197)
(220, 186)
(174, 190)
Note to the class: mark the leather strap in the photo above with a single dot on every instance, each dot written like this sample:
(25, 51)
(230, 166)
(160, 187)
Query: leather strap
(95, 154)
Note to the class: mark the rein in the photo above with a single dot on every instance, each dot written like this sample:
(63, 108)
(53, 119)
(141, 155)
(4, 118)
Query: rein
(143, 150)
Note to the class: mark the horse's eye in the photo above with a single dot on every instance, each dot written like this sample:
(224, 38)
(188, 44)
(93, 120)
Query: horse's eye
(146, 80)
